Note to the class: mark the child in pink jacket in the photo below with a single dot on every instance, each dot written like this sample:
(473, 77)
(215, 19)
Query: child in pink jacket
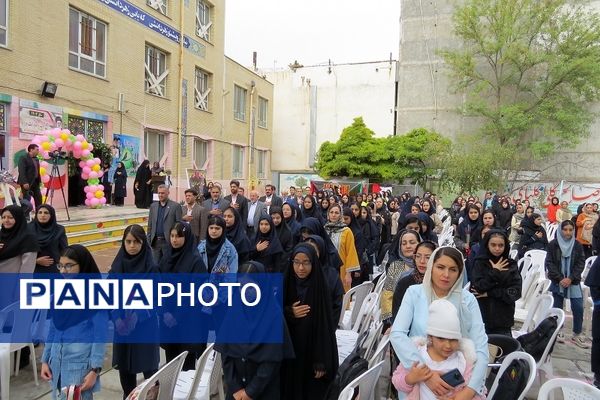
(444, 350)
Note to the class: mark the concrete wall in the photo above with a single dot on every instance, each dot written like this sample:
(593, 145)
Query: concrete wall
(328, 99)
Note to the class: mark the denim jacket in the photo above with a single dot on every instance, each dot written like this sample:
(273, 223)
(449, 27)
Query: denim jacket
(71, 362)
(227, 257)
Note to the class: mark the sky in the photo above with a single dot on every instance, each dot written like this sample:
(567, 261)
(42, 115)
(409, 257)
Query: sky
(311, 31)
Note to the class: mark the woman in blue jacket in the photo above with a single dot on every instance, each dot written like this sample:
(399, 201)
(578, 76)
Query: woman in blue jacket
(75, 348)
(218, 253)
(443, 279)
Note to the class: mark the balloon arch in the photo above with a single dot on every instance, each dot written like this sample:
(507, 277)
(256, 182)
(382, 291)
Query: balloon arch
(58, 139)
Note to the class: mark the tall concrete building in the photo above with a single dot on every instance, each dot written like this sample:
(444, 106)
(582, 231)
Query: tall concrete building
(424, 97)
(151, 72)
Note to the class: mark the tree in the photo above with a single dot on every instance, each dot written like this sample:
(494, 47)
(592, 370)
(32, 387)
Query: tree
(395, 158)
(530, 71)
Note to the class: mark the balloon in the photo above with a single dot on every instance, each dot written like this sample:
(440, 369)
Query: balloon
(46, 146)
(94, 201)
(89, 195)
(77, 146)
(64, 135)
(81, 164)
(100, 174)
(80, 138)
(42, 171)
(88, 202)
(37, 140)
(93, 175)
(103, 200)
(90, 147)
(45, 178)
(84, 145)
(59, 142)
(86, 170)
(97, 160)
(86, 153)
(44, 164)
(96, 168)
(90, 163)
(94, 181)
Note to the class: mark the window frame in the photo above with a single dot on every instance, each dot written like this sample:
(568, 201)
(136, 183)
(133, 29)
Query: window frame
(241, 155)
(156, 84)
(263, 123)
(86, 121)
(202, 97)
(239, 115)
(204, 28)
(200, 141)
(5, 27)
(159, 135)
(156, 6)
(261, 161)
(79, 54)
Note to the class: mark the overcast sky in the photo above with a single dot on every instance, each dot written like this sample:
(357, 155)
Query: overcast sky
(311, 31)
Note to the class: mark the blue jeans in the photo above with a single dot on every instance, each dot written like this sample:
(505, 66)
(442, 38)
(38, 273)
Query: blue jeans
(576, 307)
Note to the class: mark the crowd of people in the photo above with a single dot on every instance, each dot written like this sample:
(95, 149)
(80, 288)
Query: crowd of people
(325, 243)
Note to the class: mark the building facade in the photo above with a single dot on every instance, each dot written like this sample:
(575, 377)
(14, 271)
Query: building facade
(148, 77)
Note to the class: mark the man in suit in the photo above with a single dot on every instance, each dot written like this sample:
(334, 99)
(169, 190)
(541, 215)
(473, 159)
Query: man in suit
(270, 198)
(237, 200)
(256, 209)
(195, 214)
(163, 215)
(215, 205)
(29, 175)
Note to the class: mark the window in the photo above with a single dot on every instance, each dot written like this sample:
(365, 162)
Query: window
(87, 43)
(263, 109)
(200, 152)
(154, 145)
(156, 71)
(238, 161)
(3, 22)
(158, 5)
(239, 103)
(202, 89)
(92, 130)
(203, 22)
(261, 162)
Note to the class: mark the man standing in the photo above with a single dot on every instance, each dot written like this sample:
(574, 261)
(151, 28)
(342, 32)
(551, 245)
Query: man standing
(163, 215)
(237, 200)
(215, 205)
(256, 209)
(270, 198)
(195, 215)
(29, 175)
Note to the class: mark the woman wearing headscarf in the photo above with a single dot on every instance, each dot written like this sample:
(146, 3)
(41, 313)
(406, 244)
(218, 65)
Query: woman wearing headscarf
(236, 233)
(585, 226)
(310, 210)
(253, 369)
(120, 181)
(534, 235)
(312, 226)
(426, 227)
(515, 224)
(343, 240)
(218, 253)
(181, 257)
(266, 248)
(400, 259)
(332, 276)
(369, 230)
(464, 237)
(324, 204)
(142, 185)
(51, 239)
(564, 264)
(134, 257)
(504, 214)
(443, 280)
(292, 217)
(496, 283)
(308, 313)
(366, 268)
(283, 232)
(428, 208)
(563, 213)
(553, 207)
(18, 245)
(77, 361)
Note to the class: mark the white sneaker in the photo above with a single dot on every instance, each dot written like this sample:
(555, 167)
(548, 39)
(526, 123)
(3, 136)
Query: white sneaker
(560, 338)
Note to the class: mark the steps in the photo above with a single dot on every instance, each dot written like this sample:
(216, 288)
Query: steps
(102, 228)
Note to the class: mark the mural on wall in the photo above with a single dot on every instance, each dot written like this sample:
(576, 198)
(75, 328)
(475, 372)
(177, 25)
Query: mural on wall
(296, 180)
(36, 117)
(126, 149)
(541, 194)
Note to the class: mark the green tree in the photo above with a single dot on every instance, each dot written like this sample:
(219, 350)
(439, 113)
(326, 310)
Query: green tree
(529, 70)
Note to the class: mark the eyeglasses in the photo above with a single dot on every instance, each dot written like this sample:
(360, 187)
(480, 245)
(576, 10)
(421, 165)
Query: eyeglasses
(305, 264)
(66, 267)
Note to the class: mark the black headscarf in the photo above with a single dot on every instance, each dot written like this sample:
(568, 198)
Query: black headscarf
(143, 173)
(319, 327)
(312, 212)
(258, 352)
(271, 237)
(283, 231)
(184, 260)
(484, 251)
(292, 222)
(51, 236)
(236, 233)
(141, 263)
(314, 227)
(213, 246)
(17, 240)
(64, 319)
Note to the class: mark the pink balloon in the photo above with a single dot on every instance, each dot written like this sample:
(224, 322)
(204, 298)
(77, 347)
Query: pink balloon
(86, 153)
(81, 164)
(90, 163)
(100, 173)
(77, 154)
(36, 140)
(89, 195)
(94, 201)
(80, 138)
(59, 142)
(88, 202)
(90, 147)
(77, 145)
(55, 132)
(44, 164)
(45, 178)
(97, 160)
(87, 170)
(93, 175)
(102, 200)
(86, 189)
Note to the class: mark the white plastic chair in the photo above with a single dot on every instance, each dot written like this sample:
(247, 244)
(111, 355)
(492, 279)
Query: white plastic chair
(346, 342)
(372, 339)
(551, 230)
(349, 314)
(195, 384)
(545, 362)
(538, 257)
(365, 383)
(522, 306)
(367, 313)
(516, 355)
(20, 329)
(571, 389)
(588, 264)
(166, 377)
(535, 314)
(379, 287)
(380, 351)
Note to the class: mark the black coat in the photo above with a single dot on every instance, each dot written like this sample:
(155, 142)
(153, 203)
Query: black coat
(529, 240)
(553, 263)
(120, 182)
(28, 170)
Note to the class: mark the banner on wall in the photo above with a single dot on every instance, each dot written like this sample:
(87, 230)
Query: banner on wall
(125, 149)
(541, 194)
(196, 179)
(339, 186)
(36, 117)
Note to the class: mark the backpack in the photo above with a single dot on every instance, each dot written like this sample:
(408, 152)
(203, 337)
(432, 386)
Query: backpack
(513, 381)
(535, 341)
(352, 367)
